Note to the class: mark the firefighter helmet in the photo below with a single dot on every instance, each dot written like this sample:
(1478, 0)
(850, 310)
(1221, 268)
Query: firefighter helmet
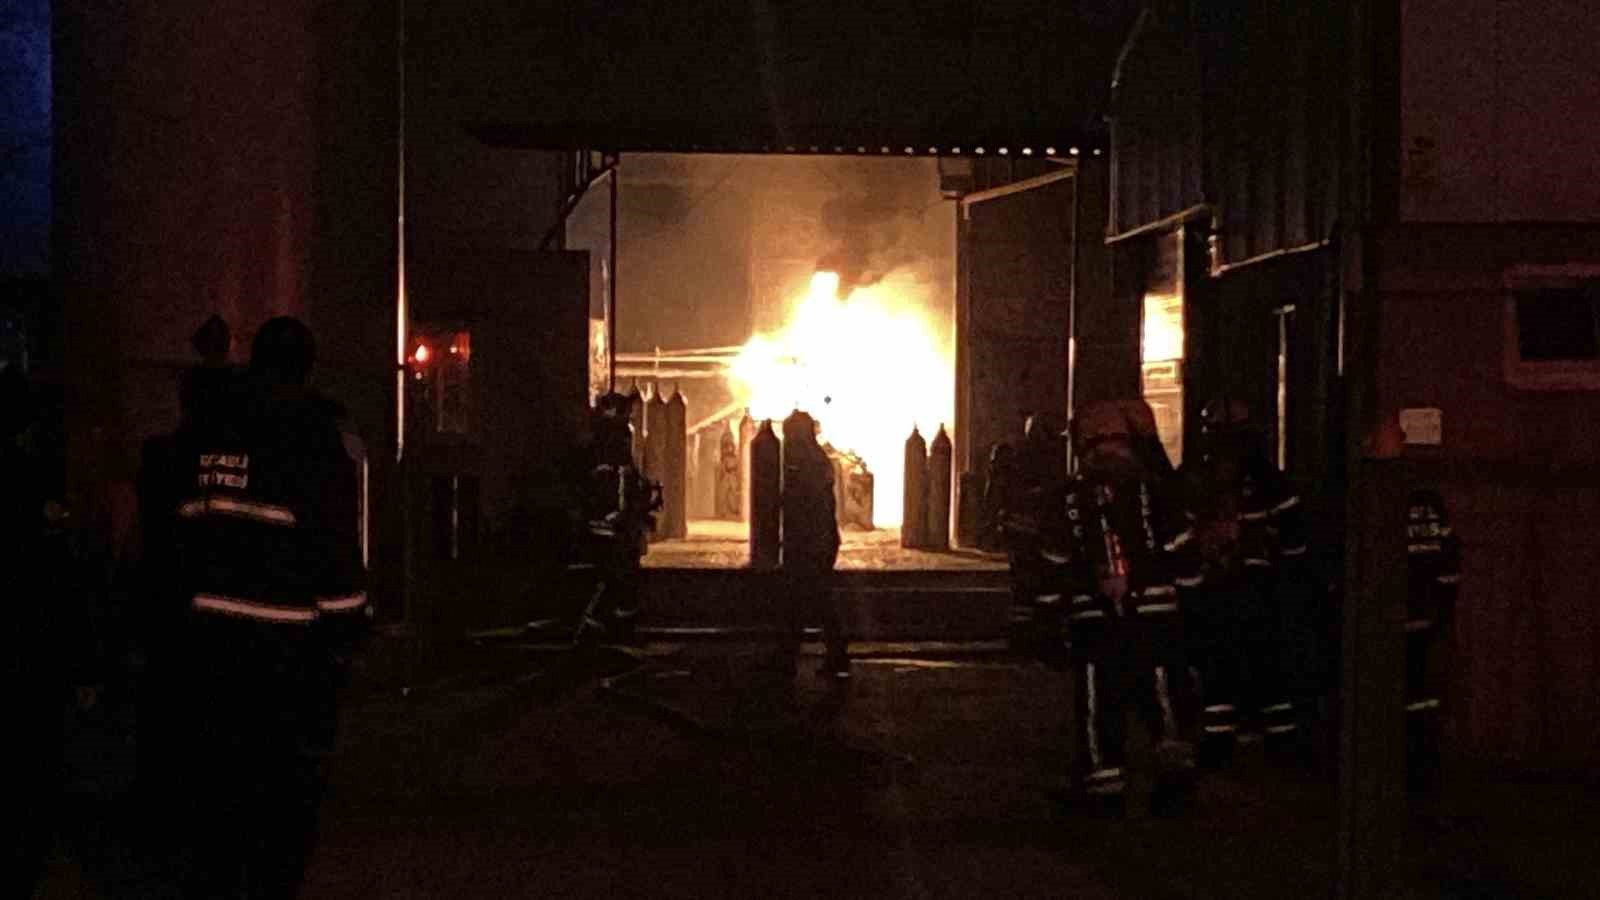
(212, 340)
(283, 348)
(1099, 422)
(612, 405)
(1225, 413)
(1227, 431)
(1038, 427)
(1141, 418)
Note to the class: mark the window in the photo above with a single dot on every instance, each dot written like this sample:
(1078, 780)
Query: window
(1559, 323)
(440, 399)
(1553, 327)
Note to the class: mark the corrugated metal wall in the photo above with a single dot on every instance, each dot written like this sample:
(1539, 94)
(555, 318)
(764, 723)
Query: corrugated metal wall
(1235, 104)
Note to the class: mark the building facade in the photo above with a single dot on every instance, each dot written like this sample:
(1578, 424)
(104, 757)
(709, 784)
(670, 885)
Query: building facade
(1384, 214)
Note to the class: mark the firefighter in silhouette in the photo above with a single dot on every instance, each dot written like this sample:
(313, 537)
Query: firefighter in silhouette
(1247, 592)
(204, 389)
(1124, 618)
(1433, 557)
(618, 506)
(40, 636)
(999, 476)
(261, 588)
(1034, 530)
(810, 535)
(1146, 440)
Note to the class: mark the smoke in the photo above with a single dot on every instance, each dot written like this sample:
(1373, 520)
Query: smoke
(872, 233)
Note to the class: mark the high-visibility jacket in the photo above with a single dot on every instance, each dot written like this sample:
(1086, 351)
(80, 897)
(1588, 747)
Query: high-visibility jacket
(1128, 528)
(265, 519)
(1433, 555)
(1249, 528)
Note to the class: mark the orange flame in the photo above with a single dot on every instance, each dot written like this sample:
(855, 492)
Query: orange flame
(867, 367)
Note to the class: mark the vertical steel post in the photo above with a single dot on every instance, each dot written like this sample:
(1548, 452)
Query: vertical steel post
(611, 284)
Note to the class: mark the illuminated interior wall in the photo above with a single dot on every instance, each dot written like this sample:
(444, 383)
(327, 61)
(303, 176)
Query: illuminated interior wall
(1162, 342)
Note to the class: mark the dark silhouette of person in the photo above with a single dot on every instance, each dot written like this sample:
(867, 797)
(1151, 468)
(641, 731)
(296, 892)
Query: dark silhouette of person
(204, 390)
(810, 532)
(35, 723)
(257, 606)
(618, 506)
(53, 647)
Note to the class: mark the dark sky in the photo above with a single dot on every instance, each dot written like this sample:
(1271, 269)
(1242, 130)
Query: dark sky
(24, 137)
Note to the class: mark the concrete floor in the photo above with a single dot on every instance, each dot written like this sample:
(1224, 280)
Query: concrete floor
(685, 771)
(718, 544)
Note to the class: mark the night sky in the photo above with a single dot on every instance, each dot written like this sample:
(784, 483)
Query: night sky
(24, 137)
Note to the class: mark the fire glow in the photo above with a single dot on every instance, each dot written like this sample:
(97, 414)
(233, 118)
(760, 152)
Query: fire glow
(867, 366)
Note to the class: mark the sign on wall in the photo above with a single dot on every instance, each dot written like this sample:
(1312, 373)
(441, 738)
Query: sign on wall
(1423, 426)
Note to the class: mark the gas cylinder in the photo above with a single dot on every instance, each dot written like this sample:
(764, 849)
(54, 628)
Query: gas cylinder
(704, 460)
(730, 487)
(939, 460)
(636, 419)
(675, 474)
(747, 433)
(655, 451)
(765, 491)
(914, 515)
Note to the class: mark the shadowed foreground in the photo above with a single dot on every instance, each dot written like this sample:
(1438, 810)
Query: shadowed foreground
(685, 772)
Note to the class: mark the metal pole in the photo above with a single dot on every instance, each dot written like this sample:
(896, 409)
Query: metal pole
(611, 286)
(402, 313)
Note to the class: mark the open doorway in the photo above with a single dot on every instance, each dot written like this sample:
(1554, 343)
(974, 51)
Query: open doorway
(755, 285)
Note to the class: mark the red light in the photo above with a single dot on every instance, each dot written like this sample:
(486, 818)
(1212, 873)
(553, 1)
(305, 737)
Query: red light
(422, 354)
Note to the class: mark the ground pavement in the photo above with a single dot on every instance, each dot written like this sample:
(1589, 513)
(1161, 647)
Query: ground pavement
(682, 770)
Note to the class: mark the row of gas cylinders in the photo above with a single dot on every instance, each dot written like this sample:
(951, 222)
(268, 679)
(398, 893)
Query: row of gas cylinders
(763, 461)
(925, 519)
(661, 450)
(719, 476)
(707, 474)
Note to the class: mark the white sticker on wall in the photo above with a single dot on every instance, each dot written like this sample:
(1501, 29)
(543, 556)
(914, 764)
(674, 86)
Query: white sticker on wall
(1422, 426)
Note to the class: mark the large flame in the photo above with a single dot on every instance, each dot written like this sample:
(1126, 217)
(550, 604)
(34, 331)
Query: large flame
(868, 367)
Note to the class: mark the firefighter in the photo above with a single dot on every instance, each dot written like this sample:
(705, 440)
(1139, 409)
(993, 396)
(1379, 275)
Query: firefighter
(1124, 617)
(810, 532)
(999, 476)
(618, 509)
(265, 588)
(1433, 555)
(1246, 589)
(1035, 475)
(204, 389)
(1146, 440)
(1031, 518)
(35, 644)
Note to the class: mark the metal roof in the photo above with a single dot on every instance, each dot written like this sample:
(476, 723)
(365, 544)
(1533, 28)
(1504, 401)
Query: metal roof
(882, 77)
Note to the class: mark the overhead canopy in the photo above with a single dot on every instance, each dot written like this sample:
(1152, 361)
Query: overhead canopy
(820, 76)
